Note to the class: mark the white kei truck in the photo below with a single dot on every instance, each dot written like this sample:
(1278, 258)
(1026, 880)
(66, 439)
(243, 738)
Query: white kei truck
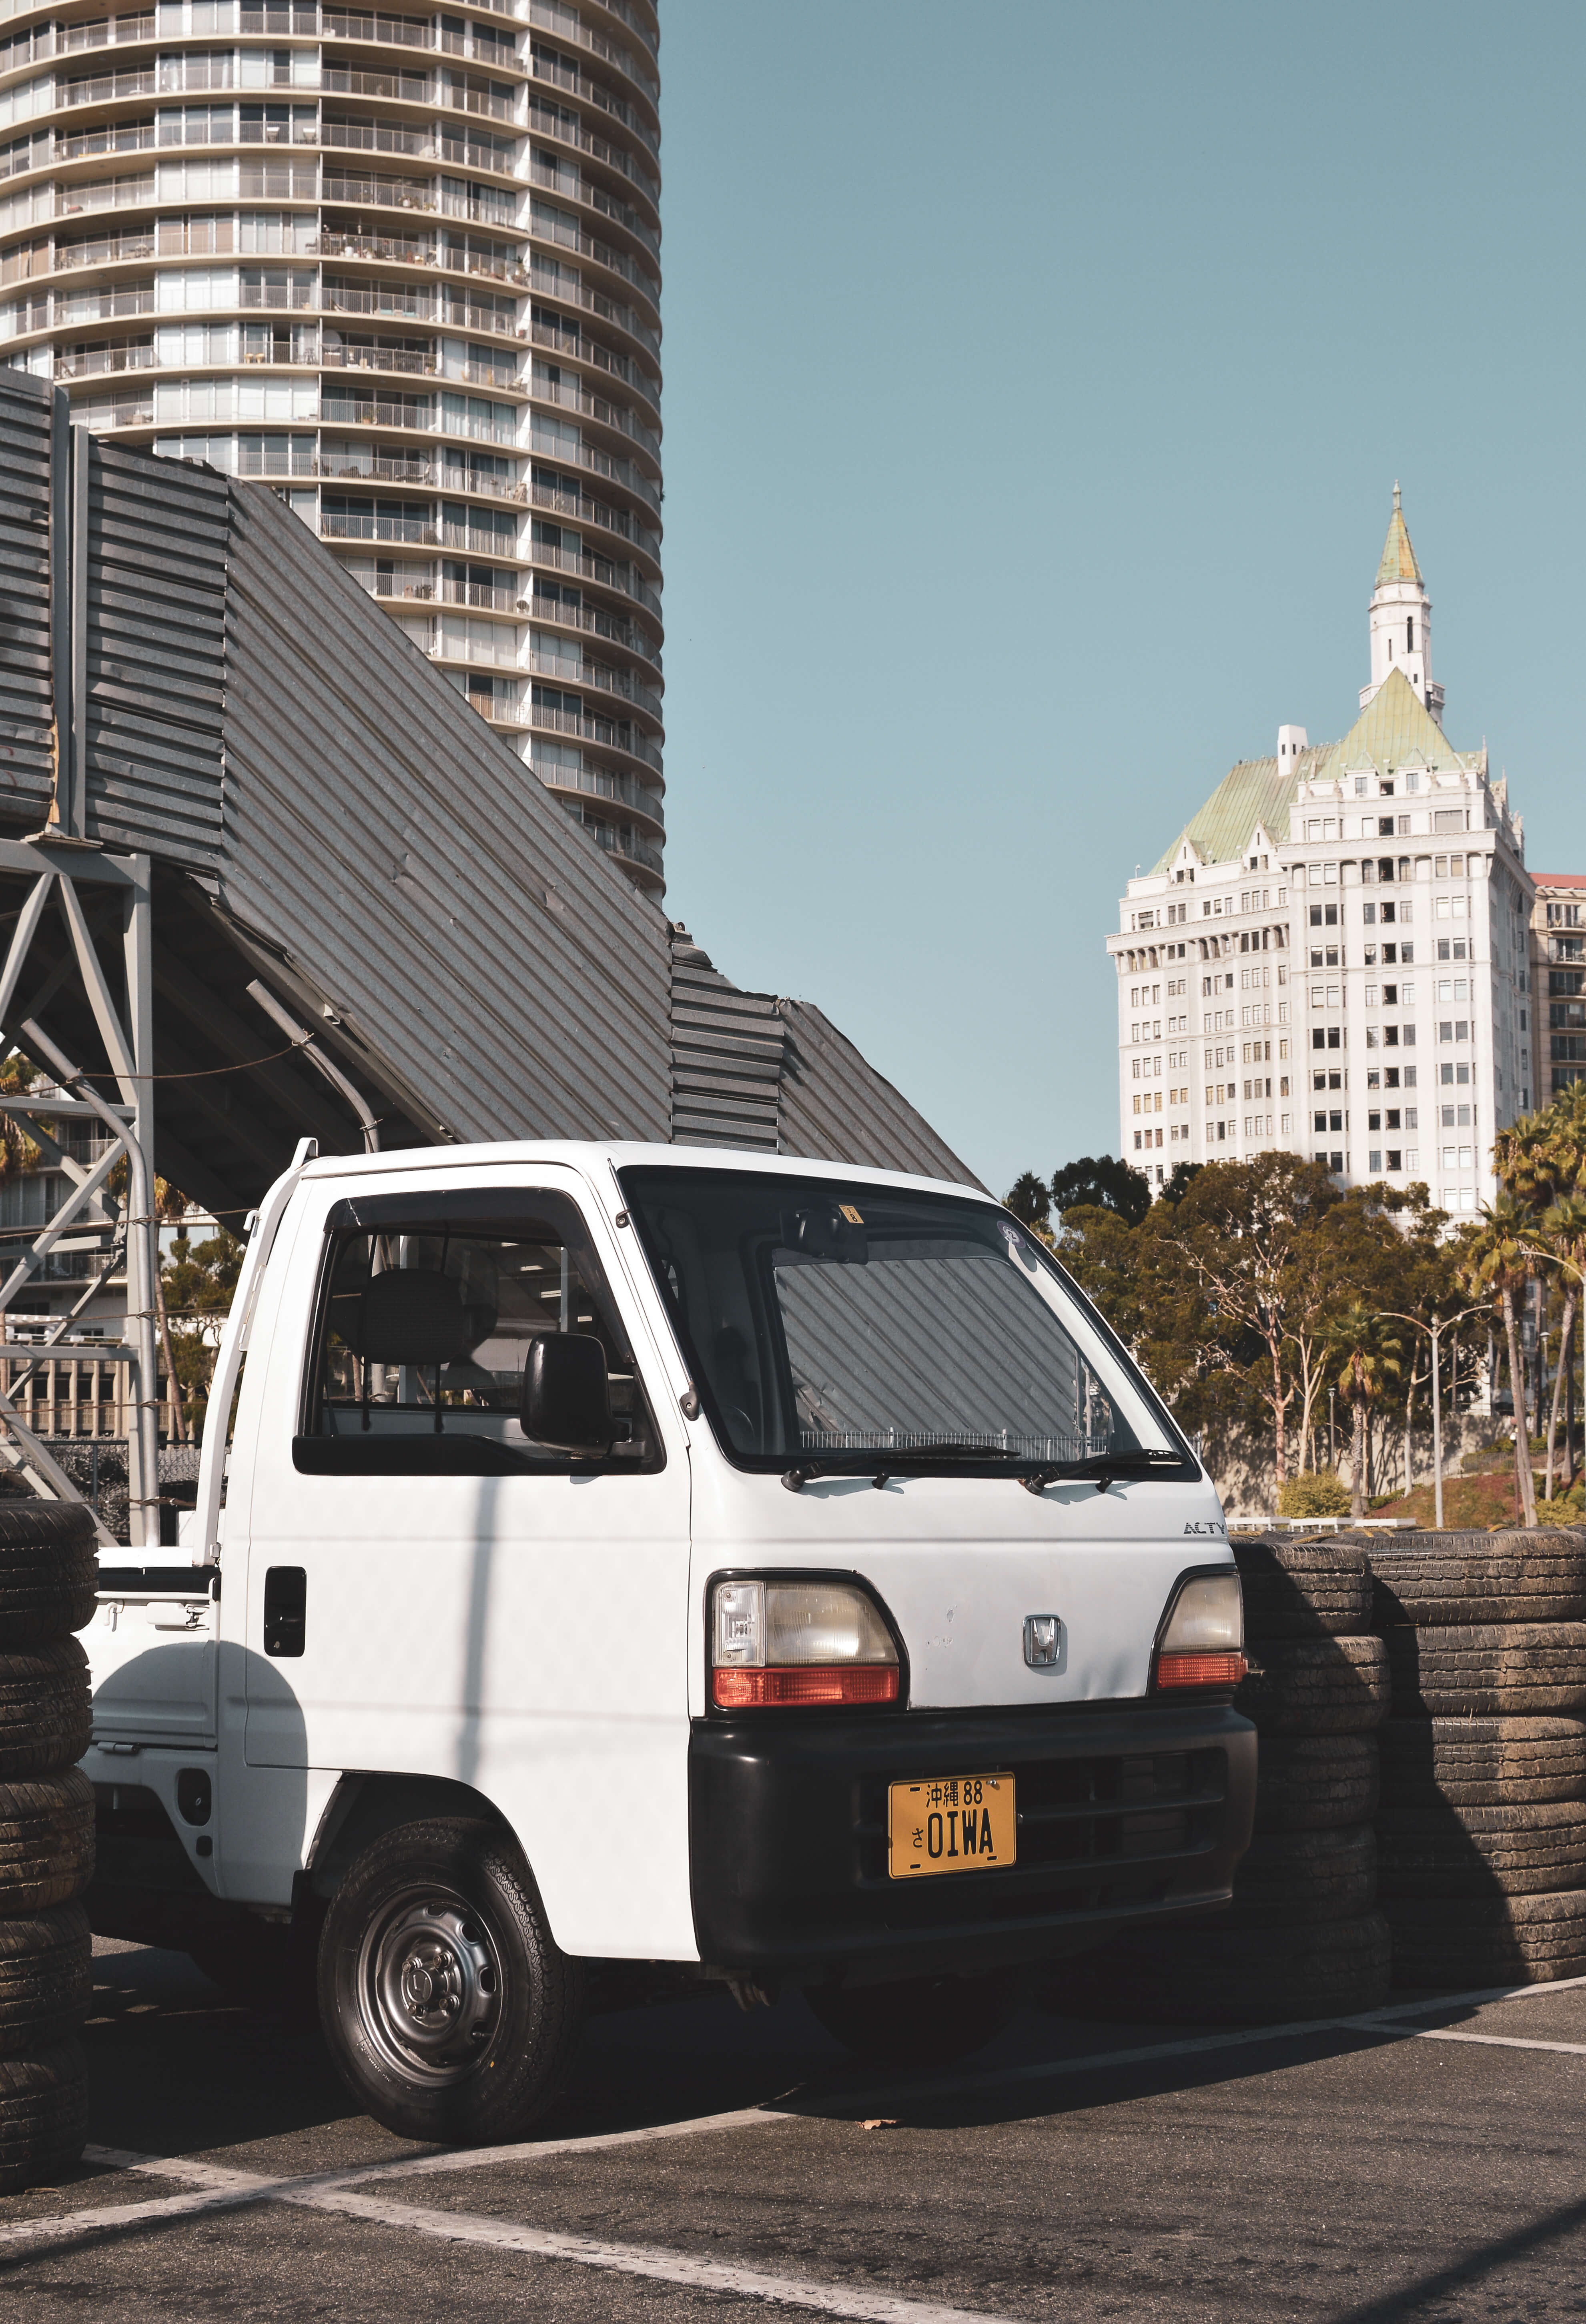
(635, 1567)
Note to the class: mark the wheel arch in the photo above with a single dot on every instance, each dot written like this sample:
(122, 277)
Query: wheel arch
(365, 1804)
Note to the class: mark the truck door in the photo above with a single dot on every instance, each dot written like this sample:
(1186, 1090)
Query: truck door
(429, 1592)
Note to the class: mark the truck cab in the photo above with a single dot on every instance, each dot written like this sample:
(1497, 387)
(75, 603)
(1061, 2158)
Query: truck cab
(634, 1564)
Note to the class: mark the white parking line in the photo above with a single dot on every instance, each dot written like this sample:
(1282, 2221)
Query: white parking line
(219, 2186)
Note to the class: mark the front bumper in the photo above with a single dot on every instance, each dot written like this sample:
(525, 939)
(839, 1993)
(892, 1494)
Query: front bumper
(1128, 1812)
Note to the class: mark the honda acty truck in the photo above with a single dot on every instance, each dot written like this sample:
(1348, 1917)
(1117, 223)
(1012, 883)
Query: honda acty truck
(634, 1564)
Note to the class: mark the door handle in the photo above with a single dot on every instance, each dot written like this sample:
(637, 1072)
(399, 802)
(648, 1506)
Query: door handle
(286, 1610)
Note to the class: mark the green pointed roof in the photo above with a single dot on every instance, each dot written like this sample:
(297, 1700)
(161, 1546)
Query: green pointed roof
(1398, 559)
(1394, 728)
(1255, 791)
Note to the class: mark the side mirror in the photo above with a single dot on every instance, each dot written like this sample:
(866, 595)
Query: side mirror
(567, 1397)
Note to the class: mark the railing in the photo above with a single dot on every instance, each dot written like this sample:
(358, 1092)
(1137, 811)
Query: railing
(413, 530)
(584, 349)
(597, 784)
(546, 120)
(584, 513)
(421, 306)
(380, 193)
(95, 361)
(606, 731)
(593, 673)
(471, 649)
(375, 137)
(594, 197)
(610, 415)
(410, 89)
(479, 544)
(563, 26)
(374, 412)
(567, 294)
(598, 569)
(390, 32)
(108, 194)
(105, 308)
(127, 137)
(71, 40)
(597, 621)
(368, 466)
(104, 250)
(615, 261)
(106, 89)
(394, 359)
(627, 845)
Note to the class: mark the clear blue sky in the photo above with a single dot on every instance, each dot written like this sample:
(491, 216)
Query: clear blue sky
(1036, 380)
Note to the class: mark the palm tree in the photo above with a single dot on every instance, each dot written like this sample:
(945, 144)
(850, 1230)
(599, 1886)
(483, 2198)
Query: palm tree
(1367, 1362)
(171, 1207)
(1563, 1229)
(1501, 1262)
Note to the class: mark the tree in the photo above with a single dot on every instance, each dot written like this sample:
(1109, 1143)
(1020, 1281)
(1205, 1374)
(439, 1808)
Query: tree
(1542, 1161)
(1181, 1179)
(1366, 1354)
(198, 1281)
(1564, 1224)
(1029, 1200)
(19, 1157)
(1499, 1262)
(1098, 1181)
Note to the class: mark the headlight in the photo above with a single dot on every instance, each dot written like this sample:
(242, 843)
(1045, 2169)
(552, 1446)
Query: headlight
(1202, 1638)
(799, 1643)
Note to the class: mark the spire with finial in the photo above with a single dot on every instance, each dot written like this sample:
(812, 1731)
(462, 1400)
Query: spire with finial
(1398, 559)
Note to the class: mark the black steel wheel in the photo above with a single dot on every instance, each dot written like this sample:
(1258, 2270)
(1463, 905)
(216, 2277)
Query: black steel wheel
(449, 2010)
(921, 2020)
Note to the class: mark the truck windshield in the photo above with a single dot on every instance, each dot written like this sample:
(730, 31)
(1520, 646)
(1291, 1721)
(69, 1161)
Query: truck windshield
(855, 1326)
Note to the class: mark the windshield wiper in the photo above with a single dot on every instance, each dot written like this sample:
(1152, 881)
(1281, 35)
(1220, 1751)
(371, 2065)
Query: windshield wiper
(803, 1473)
(1104, 1467)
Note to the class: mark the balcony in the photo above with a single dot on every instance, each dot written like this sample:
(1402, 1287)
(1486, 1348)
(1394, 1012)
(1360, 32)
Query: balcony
(408, 88)
(606, 731)
(93, 362)
(598, 569)
(594, 621)
(108, 194)
(594, 783)
(566, 26)
(125, 137)
(72, 40)
(609, 415)
(576, 346)
(546, 120)
(415, 532)
(587, 674)
(563, 293)
(379, 137)
(104, 250)
(593, 197)
(379, 193)
(383, 359)
(584, 513)
(615, 261)
(612, 839)
(106, 89)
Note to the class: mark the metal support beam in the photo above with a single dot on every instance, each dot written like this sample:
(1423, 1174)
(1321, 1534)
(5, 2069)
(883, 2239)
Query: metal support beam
(332, 1072)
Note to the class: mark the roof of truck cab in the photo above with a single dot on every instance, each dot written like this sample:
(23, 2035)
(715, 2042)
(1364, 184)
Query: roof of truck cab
(591, 1157)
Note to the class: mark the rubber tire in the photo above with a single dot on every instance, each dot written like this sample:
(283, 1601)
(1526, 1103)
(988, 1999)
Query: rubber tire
(46, 1842)
(1458, 1944)
(1443, 1850)
(1221, 1976)
(247, 1962)
(521, 2070)
(1482, 1762)
(1492, 1670)
(1316, 1686)
(1305, 1876)
(43, 2115)
(1437, 1579)
(919, 2021)
(1295, 1589)
(49, 1568)
(46, 1979)
(1315, 1782)
(45, 1719)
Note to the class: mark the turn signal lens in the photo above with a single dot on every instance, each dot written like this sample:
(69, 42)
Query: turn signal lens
(798, 1642)
(756, 1690)
(1203, 1644)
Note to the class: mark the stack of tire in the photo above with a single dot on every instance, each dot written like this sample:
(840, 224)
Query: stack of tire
(46, 1579)
(1301, 1938)
(1481, 1832)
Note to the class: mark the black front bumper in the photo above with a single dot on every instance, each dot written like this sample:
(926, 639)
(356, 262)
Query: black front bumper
(1128, 1812)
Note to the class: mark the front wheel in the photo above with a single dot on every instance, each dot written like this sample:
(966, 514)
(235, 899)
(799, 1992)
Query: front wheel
(921, 2021)
(448, 2009)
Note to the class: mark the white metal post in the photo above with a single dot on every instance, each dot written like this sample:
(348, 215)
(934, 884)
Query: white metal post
(142, 1231)
(1436, 1423)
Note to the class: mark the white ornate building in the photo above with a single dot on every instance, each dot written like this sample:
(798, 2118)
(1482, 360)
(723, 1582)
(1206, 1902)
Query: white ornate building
(1332, 956)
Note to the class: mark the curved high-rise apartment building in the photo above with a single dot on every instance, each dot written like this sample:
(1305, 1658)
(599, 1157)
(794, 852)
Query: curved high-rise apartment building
(404, 268)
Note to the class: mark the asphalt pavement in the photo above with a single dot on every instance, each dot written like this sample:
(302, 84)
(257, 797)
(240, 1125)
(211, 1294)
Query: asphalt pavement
(1427, 2164)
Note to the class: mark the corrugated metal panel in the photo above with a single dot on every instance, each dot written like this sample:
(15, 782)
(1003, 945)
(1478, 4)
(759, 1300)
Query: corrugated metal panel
(836, 1105)
(158, 532)
(27, 763)
(493, 971)
(727, 1050)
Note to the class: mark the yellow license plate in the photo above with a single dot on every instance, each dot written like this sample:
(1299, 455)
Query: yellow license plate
(950, 1823)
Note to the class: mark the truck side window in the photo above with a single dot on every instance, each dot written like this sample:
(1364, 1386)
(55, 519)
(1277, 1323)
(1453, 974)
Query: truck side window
(428, 1306)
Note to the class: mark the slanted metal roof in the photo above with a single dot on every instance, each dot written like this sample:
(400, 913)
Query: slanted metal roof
(325, 812)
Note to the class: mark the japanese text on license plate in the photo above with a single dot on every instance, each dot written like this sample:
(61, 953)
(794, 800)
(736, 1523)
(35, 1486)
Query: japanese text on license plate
(950, 1823)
